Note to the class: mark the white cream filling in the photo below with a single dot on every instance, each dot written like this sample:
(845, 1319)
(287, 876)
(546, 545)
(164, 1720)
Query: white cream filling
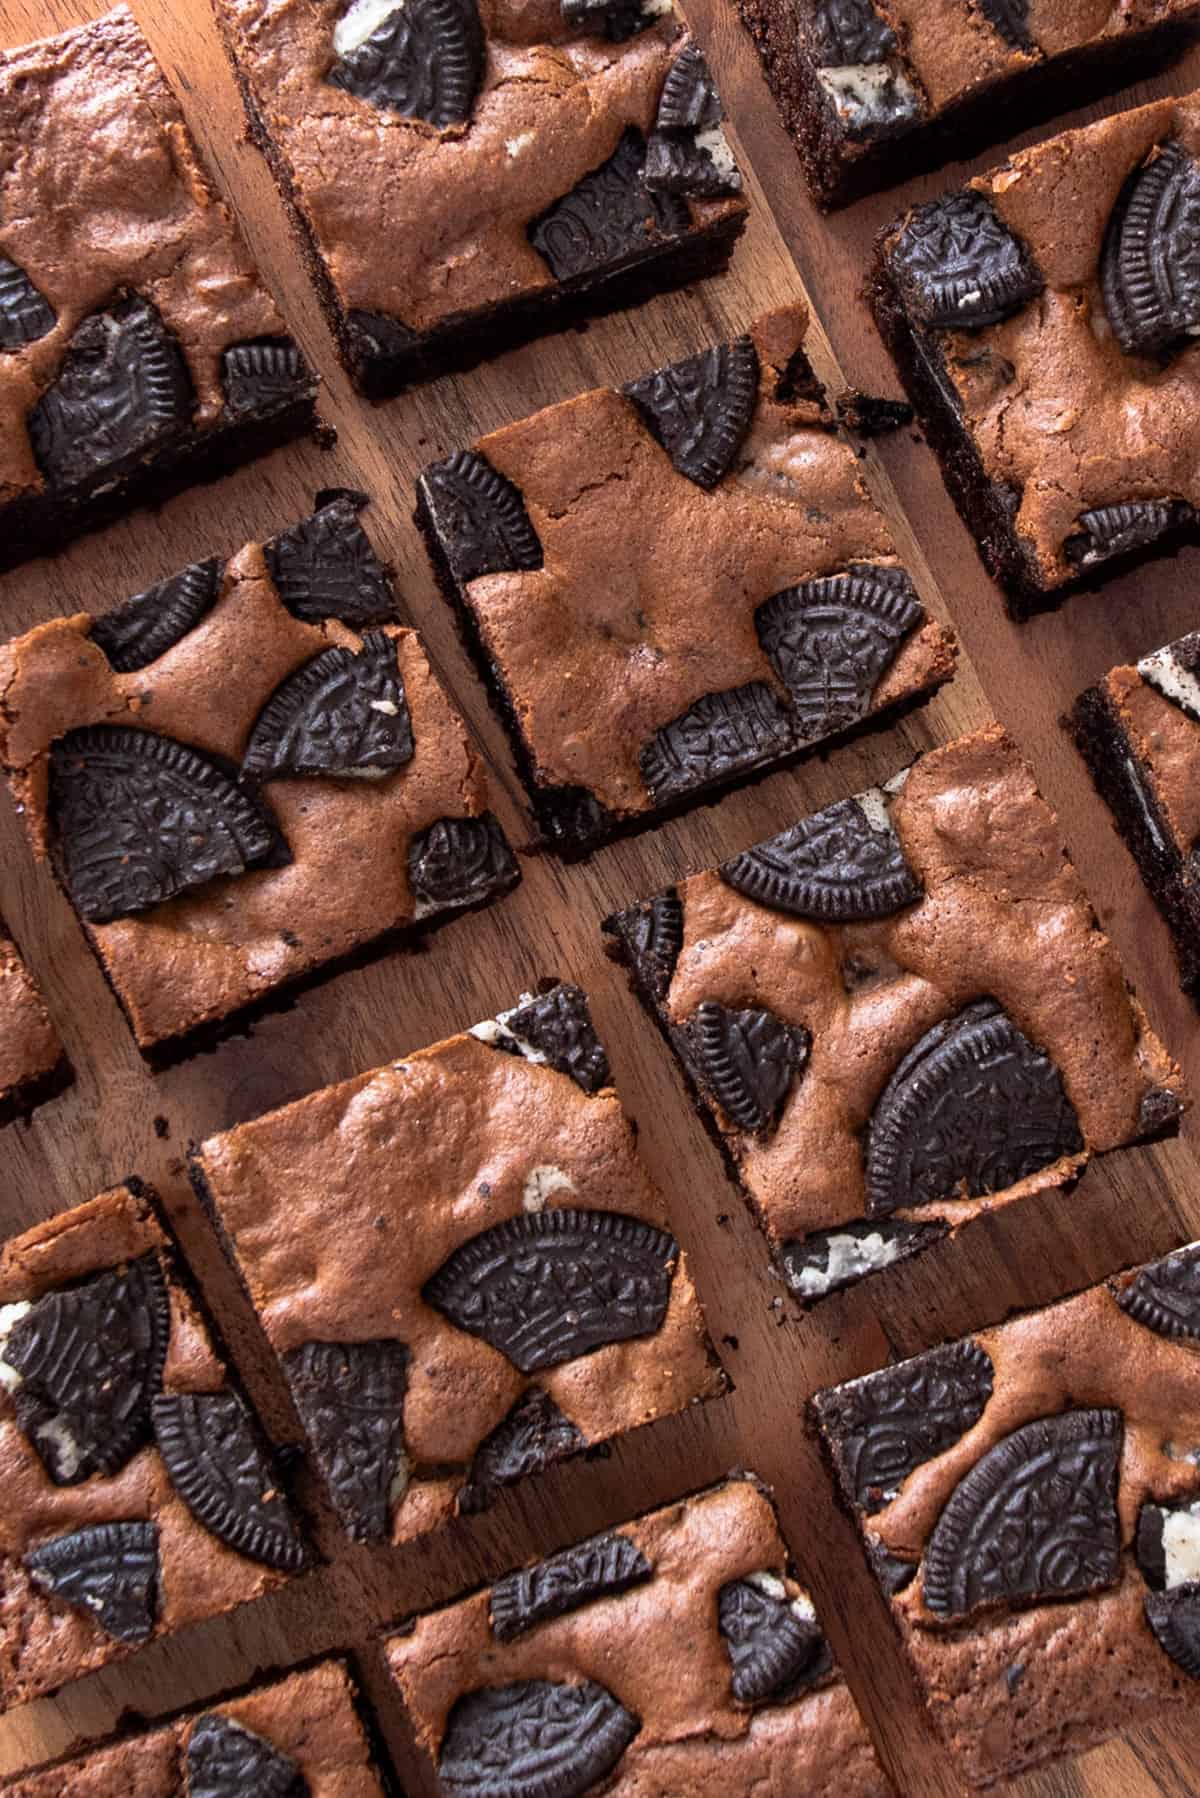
(714, 144)
(497, 1030)
(848, 1258)
(867, 93)
(1171, 678)
(68, 1455)
(873, 801)
(359, 21)
(10, 1317)
(1181, 1546)
(388, 706)
(542, 1182)
(514, 145)
(771, 1586)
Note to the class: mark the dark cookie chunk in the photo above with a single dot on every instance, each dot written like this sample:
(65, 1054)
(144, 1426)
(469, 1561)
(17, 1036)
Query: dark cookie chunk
(123, 392)
(826, 1260)
(601, 1568)
(839, 866)
(723, 734)
(1036, 1518)
(25, 314)
(342, 713)
(459, 861)
(832, 640)
(679, 160)
(869, 416)
(773, 1647)
(654, 933)
(700, 409)
(849, 33)
(1150, 268)
(350, 1396)
(224, 1760)
(552, 1285)
(141, 819)
(534, 1739)
(1115, 530)
(145, 627)
(893, 1572)
(110, 1569)
(689, 100)
(883, 1426)
(220, 1466)
(325, 567)
(960, 266)
(611, 214)
(425, 60)
(1011, 20)
(616, 20)
(558, 1026)
(1175, 1619)
(531, 1438)
(972, 1109)
(1165, 1296)
(480, 518)
(748, 1060)
(89, 1359)
(263, 376)
(1149, 1549)
(376, 337)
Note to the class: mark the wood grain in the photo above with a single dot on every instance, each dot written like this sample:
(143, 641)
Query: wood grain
(1129, 1207)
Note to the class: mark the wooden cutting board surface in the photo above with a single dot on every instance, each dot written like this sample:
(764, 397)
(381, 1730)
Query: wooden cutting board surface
(119, 1118)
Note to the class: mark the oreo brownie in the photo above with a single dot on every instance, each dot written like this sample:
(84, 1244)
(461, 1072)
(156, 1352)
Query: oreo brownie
(1044, 318)
(140, 1494)
(1139, 732)
(677, 585)
(299, 1737)
(463, 1266)
(900, 1013)
(674, 1654)
(875, 91)
(246, 773)
(33, 1065)
(466, 175)
(139, 348)
(1030, 1501)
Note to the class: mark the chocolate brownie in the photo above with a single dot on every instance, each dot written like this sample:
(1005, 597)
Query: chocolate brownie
(674, 586)
(140, 1494)
(33, 1065)
(464, 174)
(300, 1737)
(675, 1654)
(1030, 1501)
(246, 773)
(1044, 318)
(876, 91)
(139, 348)
(463, 1266)
(900, 1013)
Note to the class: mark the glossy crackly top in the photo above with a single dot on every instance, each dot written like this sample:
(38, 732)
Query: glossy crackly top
(29, 1045)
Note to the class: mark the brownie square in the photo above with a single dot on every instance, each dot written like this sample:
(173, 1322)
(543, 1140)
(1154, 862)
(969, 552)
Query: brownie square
(465, 177)
(140, 1494)
(463, 1266)
(1044, 318)
(1029, 1498)
(33, 1064)
(140, 348)
(246, 774)
(900, 1013)
(678, 585)
(876, 91)
(675, 1654)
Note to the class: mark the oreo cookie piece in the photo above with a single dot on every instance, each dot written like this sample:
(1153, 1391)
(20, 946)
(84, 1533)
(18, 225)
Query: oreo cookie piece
(532, 1738)
(842, 866)
(1011, 19)
(1175, 1619)
(25, 314)
(141, 819)
(882, 1427)
(617, 20)
(480, 518)
(849, 34)
(688, 152)
(145, 627)
(82, 1366)
(109, 1570)
(531, 1438)
(609, 215)
(264, 375)
(1109, 531)
(558, 1027)
(1150, 266)
(549, 1286)
(325, 567)
(959, 265)
(826, 1260)
(1035, 1519)
(459, 861)
(374, 336)
(350, 1396)
(226, 1760)
(773, 1642)
(653, 931)
(832, 640)
(1165, 1295)
(748, 1060)
(344, 713)
(425, 59)
(1150, 1543)
(722, 735)
(700, 409)
(601, 1568)
(220, 1466)
(892, 1572)
(972, 1109)
(122, 394)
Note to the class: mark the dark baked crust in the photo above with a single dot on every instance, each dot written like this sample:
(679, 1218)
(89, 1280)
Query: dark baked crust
(33, 1064)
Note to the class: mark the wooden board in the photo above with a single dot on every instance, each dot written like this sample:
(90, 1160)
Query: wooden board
(1129, 1207)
